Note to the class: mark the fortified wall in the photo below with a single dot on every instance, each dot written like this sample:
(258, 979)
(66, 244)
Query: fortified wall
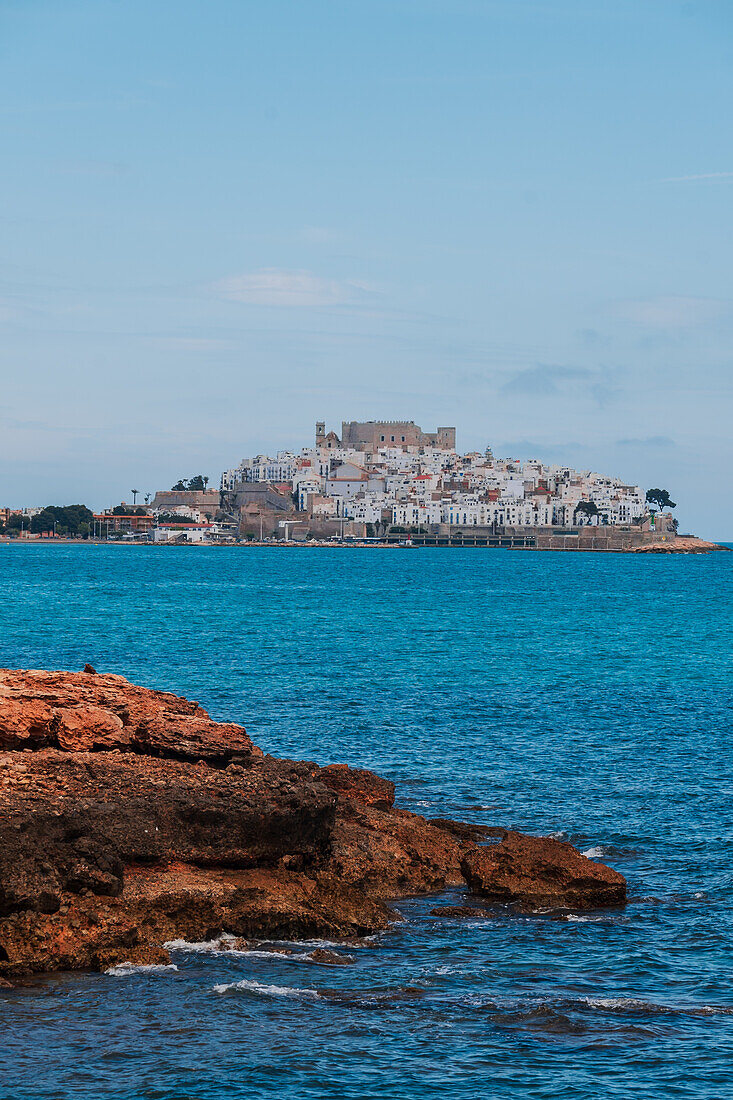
(204, 500)
(370, 435)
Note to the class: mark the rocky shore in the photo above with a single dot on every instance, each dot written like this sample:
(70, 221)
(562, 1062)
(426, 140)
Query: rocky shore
(684, 544)
(128, 818)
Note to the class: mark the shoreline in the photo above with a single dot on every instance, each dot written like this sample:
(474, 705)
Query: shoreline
(679, 546)
(132, 819)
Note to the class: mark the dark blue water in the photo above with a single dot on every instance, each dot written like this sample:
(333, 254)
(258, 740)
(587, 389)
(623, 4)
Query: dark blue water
(582, 694)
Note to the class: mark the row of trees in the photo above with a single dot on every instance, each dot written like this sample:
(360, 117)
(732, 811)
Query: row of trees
(73, 520)
(659, 497)
(195, 484)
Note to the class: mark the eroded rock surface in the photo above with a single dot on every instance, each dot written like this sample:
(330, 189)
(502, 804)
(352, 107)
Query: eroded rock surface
(129, 818)
(541, 872)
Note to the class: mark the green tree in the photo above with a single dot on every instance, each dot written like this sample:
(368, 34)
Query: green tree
(586, 508)
(66, 520)
(661, 498)
(194, 484)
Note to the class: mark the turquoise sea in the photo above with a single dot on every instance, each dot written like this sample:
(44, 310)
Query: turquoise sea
(584, 695)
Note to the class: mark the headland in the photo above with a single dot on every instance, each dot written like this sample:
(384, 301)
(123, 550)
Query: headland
(382, 483)
(130, 818)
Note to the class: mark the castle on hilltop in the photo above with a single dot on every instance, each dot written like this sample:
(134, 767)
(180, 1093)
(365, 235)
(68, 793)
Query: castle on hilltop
(372, 435)
(389, 478)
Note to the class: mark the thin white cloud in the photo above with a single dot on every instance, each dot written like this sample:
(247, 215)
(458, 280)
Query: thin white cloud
(699, 176)
(672, 311)
(193, 343)
(319, 234)
(275, 287)
(648, 441)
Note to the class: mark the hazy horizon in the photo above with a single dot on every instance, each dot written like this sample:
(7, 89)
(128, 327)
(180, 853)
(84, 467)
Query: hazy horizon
(224, 222)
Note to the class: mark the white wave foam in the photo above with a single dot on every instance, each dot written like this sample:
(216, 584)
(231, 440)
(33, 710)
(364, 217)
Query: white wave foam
(203, 947)
(268, 990)
(363, 941)
(125, 969)
(222, 946)
(594, 853)
(617, 1002)
(634, 1005)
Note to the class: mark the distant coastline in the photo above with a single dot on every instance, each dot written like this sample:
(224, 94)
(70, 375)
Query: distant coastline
(681, 545)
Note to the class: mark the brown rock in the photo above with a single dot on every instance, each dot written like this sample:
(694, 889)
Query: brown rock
(463, 830)
(458, 912)
(130, 818)
(540, 872)
(359, 785)
(76, 712)
(329, 958)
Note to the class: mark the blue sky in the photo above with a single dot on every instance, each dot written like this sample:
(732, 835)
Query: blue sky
(221, 221)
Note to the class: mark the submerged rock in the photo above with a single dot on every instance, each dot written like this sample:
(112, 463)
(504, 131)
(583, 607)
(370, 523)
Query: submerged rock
(459, 912)
(329, 958)
(129, 818)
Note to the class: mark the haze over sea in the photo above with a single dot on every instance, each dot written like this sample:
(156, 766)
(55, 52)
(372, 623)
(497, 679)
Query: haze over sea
(583, 695)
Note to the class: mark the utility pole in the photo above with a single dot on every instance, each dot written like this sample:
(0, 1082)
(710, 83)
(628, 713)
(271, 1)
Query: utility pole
(287, 524)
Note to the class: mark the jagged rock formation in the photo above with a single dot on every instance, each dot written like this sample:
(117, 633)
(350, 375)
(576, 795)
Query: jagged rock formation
(128, 817)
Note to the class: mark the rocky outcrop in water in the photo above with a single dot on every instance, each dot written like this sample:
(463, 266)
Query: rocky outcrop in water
(540, 872)
(128, 818)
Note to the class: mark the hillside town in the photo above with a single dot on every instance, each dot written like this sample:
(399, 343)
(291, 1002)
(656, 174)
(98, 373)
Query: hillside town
(383, 481)
(391, 473)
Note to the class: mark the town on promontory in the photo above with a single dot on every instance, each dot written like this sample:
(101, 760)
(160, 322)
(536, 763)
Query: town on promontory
(382, 483)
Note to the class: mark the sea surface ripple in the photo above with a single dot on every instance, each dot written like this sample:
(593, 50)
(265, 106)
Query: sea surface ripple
(587, 696)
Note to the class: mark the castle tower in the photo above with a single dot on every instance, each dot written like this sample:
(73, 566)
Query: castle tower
(320, 432)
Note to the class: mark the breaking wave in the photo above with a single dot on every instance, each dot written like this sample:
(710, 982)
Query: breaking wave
(217, 946)
(266, 949)
(359, 998)
(653, 1008)
(263, 990)
(125, 969)
(574, 918)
